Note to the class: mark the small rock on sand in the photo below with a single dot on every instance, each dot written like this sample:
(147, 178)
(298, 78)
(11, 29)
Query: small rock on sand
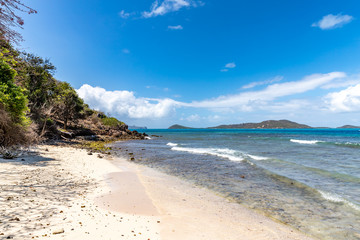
(58, 231)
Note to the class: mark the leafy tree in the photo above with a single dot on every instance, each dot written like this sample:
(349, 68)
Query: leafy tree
(38, 81)
(67, 105)
(11, 95)
(9, 19)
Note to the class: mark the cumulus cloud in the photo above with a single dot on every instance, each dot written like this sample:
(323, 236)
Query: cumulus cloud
(333, 21)
(269, 81)
(177, 27)
(125, 103)
(166, 6)
(245, 100)
(347, 100)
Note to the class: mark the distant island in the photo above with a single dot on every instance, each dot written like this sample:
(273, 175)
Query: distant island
(177, 126)
(349, 126)
(269, 124)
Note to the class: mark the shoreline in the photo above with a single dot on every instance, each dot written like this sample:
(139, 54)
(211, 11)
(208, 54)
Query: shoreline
(63, 193)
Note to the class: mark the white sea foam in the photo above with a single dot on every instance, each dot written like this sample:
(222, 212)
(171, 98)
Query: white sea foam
(220, 152)
(305, 141)
(259, 158)
(338, 199)
(172, 144)
(148, 138)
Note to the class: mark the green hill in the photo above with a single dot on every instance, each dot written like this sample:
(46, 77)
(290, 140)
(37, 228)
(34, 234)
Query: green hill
(177, 126)
(349, 126)
(269, 124)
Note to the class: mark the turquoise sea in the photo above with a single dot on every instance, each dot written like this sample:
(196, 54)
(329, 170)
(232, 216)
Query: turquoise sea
(306, 178)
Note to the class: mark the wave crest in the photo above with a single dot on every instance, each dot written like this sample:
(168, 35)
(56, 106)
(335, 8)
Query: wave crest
(338, 199)
(172, 144)
(220, 152)
(305, 141)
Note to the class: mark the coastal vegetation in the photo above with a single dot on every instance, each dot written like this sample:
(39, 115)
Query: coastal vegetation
(35, 106)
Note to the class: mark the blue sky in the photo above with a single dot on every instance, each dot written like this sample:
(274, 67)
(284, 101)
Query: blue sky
(204, 63)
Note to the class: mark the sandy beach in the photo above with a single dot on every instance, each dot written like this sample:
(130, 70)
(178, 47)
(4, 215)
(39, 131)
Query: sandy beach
(64, 193)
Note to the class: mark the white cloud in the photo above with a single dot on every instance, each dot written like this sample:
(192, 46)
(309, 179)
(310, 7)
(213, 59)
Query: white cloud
(193, 118)
(333, 21)
(245, 101)
(347, 100)
(124, 103)
(124, 14)
(166, 6)
(269, 81)
(294, 105)
(177, 27)
(343, 83)
(228, 66)
(213, 118)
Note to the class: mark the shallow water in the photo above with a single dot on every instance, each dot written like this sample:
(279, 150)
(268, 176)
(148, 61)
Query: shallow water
(309, 179)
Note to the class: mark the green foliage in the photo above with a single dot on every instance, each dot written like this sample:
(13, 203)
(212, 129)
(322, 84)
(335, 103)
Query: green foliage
(112, 122)
(88, 111)
(11, 95)
(98, 146)
(8, 53)
(27, 86)
(39, 81)
(68, 105)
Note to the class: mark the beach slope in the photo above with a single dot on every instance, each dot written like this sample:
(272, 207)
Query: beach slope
(63, 193)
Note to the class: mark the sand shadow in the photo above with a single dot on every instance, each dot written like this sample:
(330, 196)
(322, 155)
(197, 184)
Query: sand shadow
(35, 191)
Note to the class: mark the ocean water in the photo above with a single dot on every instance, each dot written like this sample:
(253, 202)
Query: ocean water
(306, 178)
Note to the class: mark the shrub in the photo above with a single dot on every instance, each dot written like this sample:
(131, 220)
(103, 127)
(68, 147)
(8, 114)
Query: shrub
(13, 133)
(11, 96)
(112, 122)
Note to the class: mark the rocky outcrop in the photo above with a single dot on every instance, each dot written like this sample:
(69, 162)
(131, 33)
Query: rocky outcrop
(87, 130)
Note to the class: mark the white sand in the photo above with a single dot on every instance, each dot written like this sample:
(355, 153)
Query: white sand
(65, 191)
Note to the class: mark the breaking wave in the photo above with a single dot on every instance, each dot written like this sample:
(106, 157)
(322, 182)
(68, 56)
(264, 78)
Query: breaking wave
(305, 141)
(220, 152)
